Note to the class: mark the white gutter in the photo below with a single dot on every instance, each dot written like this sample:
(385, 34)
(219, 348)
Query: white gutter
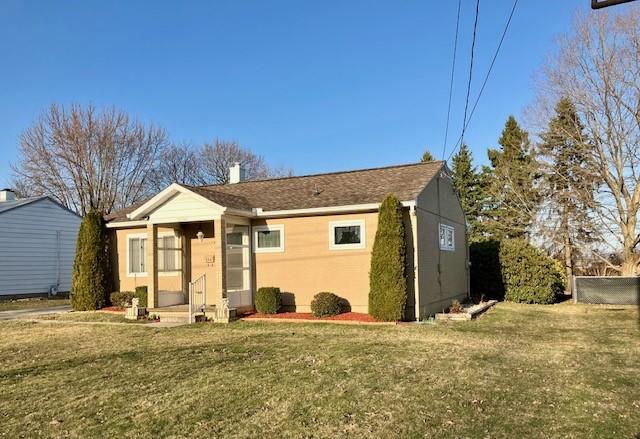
(259, 213)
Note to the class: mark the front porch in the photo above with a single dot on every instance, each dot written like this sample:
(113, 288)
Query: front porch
(192, 254)
(199, 267)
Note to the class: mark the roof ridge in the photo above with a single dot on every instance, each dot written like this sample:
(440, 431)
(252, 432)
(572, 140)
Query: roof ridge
(211, 186)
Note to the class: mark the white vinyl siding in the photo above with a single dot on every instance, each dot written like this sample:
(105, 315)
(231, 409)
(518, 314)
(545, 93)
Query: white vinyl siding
(32, 237)
(182, 207)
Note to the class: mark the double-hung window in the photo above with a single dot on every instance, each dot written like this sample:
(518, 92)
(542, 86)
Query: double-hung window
(346, 235)
(268, 239)
(137, 255)
(447, 238)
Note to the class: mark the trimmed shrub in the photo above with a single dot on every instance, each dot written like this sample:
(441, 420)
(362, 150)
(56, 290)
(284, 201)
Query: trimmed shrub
(529, 275)
(90, 281)
(268, 300)
(485, 271)
(387, 281)
(121, 298)
(141, 295)
(326, 304)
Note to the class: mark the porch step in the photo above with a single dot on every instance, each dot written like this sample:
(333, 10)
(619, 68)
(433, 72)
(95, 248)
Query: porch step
(179, 315)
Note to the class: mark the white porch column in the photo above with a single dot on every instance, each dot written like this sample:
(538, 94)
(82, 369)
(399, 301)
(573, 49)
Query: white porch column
(220, 252)
(152, 265)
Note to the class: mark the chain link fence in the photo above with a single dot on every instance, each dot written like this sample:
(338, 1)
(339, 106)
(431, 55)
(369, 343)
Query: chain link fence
(614, 290)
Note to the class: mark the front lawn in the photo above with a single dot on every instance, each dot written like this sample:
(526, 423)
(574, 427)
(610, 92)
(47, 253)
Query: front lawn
(91, 316)
(519, 371)
(10, 305)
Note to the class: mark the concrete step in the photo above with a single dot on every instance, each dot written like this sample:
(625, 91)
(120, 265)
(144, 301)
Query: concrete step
(180, 316)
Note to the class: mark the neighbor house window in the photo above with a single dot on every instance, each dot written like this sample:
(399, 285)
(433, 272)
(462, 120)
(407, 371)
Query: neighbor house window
(137, 255)
(268, 239)
(344, 235)
(447, 238)
(169, 254)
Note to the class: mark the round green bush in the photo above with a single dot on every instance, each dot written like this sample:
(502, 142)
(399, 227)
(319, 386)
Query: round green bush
(121, 298)
(268, 300)
(326, 304)
(529, 275)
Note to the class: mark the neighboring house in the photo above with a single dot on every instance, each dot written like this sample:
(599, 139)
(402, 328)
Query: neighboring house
(37, 245)
(302, 234)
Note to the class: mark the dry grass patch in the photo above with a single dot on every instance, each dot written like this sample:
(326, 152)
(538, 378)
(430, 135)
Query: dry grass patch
(531, 371)
(10, 305)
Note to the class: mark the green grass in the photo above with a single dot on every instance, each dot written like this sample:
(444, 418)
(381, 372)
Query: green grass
(91, 316)
(9, 305)
(519, 371)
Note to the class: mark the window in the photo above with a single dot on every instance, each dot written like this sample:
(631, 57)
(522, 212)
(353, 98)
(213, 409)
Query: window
(268, 239)
(137, 255)
(447, 238)
(345, 235)
(169, 254)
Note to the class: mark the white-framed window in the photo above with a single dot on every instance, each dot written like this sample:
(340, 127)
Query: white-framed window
(268, 239)
(346, 235)
(169, 254)
(447, 238)
(137, 254)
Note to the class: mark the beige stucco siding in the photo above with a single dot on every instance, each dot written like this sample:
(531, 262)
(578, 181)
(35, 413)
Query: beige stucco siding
(307, 266)
(442, 275)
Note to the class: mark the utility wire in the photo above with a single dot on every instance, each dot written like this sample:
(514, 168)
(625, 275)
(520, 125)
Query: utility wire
(473, 46)
(453, 69)
(486, 79)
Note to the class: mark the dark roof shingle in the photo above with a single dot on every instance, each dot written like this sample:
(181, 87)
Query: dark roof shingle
(362, 186)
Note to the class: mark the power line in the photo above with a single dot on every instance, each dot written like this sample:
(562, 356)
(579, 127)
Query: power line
(453, 69)
(486, 79)
(473, 46)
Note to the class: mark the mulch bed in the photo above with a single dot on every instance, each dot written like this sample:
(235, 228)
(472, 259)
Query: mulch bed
(112, 309)
(347, 317)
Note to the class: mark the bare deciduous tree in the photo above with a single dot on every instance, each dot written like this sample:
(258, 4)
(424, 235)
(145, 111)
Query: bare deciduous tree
(88, 159)
(598, 69)
(218, 157)
(178, 164)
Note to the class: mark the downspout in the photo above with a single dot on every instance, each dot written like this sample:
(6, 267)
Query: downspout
(413, 217)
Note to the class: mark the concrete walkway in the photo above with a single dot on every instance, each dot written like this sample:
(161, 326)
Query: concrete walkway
(32, 312)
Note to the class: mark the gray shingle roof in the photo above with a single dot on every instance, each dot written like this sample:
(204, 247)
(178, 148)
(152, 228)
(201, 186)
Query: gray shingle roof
(363, 186)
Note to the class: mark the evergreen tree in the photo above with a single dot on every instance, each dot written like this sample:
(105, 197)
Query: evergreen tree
(427, 156)
(90, 280)
(387, 281)
(467, 182)
(567, 185)
(511, 185)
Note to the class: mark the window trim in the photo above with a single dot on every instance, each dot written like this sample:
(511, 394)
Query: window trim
(268, 228)
(131, 236)
(347, 223)
(443, 245)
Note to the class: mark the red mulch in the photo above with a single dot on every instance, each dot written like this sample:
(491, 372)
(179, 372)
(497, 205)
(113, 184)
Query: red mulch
(112, 309)
(347, 316)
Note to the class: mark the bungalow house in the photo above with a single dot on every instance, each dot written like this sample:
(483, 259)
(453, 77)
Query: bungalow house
(37, 246)
(302, 234)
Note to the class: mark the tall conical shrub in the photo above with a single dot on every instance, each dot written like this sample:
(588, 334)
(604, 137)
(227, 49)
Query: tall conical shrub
(387, 280)
(90, 281)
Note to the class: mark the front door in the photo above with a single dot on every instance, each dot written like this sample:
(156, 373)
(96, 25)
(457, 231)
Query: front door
(238, 260)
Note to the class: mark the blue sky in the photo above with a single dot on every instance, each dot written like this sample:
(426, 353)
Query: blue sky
(312, 85)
